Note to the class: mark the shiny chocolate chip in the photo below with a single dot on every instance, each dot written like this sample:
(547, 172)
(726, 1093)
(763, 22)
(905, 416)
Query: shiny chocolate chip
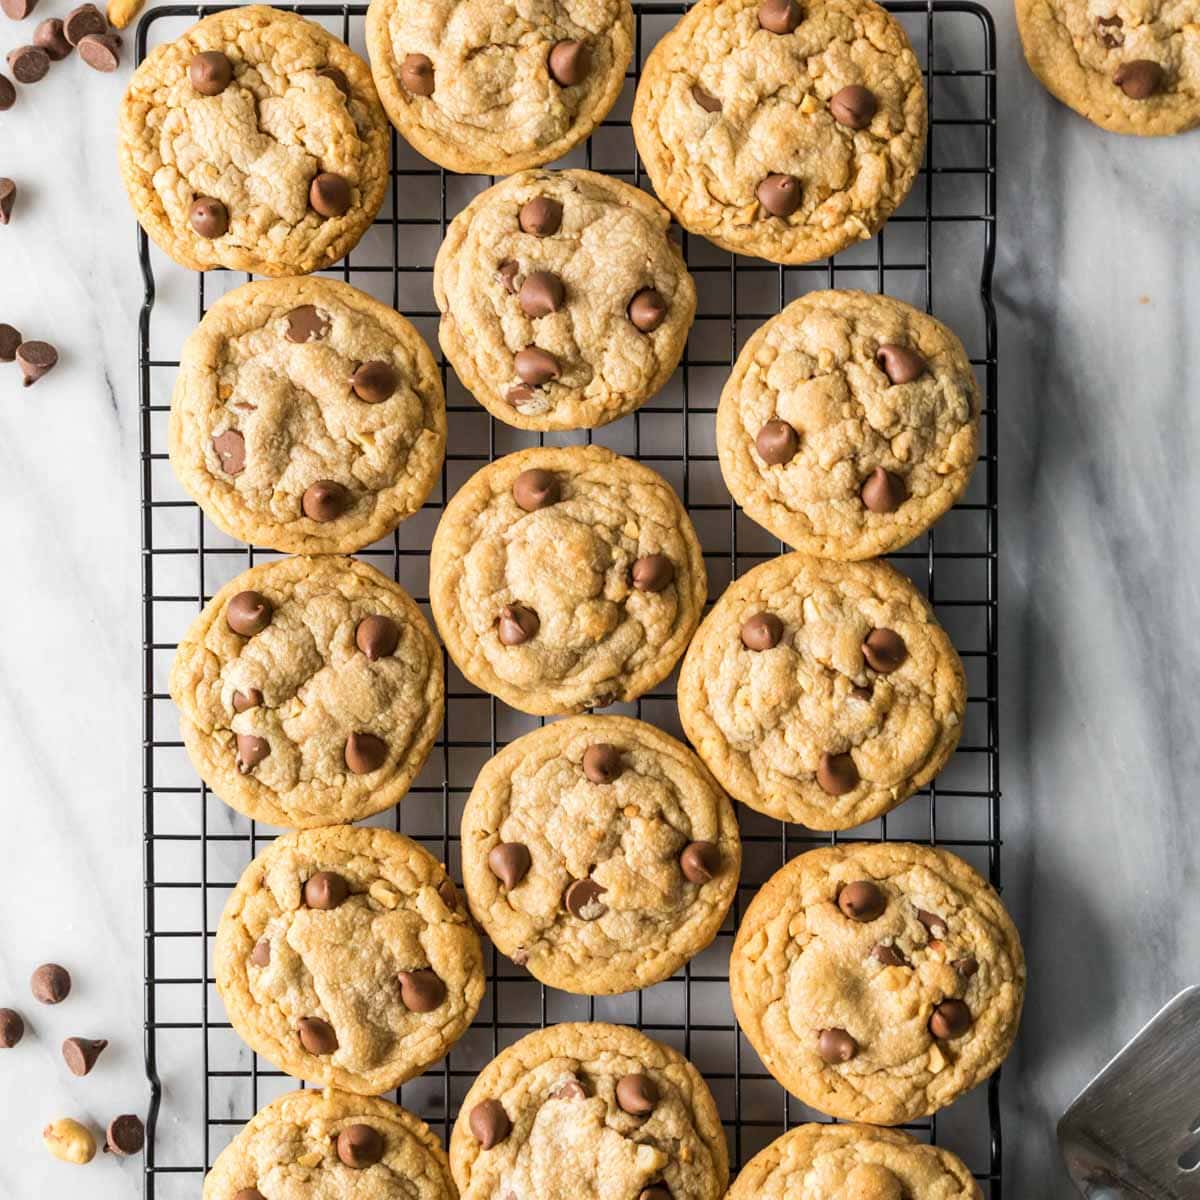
(836, 1046)
(883, 492)
(374, 382)
(36, 360)
(449, 894)
(541, 294)
(637, 1094)
(12, 1028)
(83, 21)
(569, 62)
(700, 861)
(934, 925)
(306, 324)
(837, 774)
(10, 339)
(125, 1135)
(260, 956)
(602, 763)
(889, 956)
(329, 194)
(230, 448)
(777, 443)
(101, 51)
(647, 310)
(653, 572)
(950, 1019)
(884, 650)
(489, 1123)
(377, 636)
(510, 862)
(780, 195)
(209, 217)
(582, 900)
(211, 72)
(763, 631)
(862, 900)
(535, 366)
(506, 275)
(540, 216)
(365, 753)
(50, 983)
(50, 37)
(519, 394)
(535, 488)
(416, 73)
(325, 890)
(360, 1146)
(1140, 79)
(17, 10)
(706, 100)
(966, 967)
(862, 693)
(248, 613)
(779, 16)
(337, 77)
(853, 106)
(316, 1036)
(899, 363)
(422, 991)
(571, 1090)
(80, 1054)
(516, 625)
(325, 500)
(251, 751)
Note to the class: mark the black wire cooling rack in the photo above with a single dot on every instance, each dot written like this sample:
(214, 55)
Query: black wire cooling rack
(936, 252)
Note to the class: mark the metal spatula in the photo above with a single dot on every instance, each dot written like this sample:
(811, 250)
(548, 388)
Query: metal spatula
(1134, 1131)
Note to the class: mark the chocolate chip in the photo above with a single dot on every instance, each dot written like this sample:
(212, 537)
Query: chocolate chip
(779, 194)
(80, 1054)
(1140, 79)
(374, 381)
(10, 339)
(251, 751)
(654, 1193)
(506, 275)
(884, 650)
(249, 1194)
(1105, 27)
(377, 637)
(35, 360)
(489, 1123)
(763, 631)
(571, 1090)
(209, 217)
(17, 10)
(934, 925)
(510, 862)
(883, 492)
(210, 72)
(325, 500)
(779, 16)
(449, 894)
(82, 21)
(777, 443)
(700, 861)
(541, 294)
(325, 890)
(519, 394)
(540, 216)
(230, 447)
(50, 37)
(28, 63)
(125, 1135)
(853, 106)
(306, 324)
(101, 51)
(899, 363)
(516, 625)
(8, 93)
(8, 197)
(861, 693)
(706, 100)
(416, 73)
(365, 753)
(582, 900)
(837, 774)
(260, 956)
(653, 572)
(50, 984)
(966, 967)
(535, 366)
(534, 489)
(360, 1146)
(602, 763)
(836, 1046)
(317, 1036)
(862, 900)
(888, 955)
(422, 991)
(12, 1028)
(637, 1094)
(569, 63)
(248, 613)
(950, 1019)
(647, 310)
(337, 77)
(244, 701)
(329, 194)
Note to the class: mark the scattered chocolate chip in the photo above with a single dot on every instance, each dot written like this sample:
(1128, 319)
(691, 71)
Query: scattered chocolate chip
(365, 753)
(541, 294)
(862, 900)
(125, 1135)
(8, 93)
(374, 381)
(516, 625)
(534, 489)
(82, 21)
(28, 63)
(101, 51)
(888, 955)
(8, 197)
(416, 73)
(763, 631)
(1140, 79)
(506, 275)
(337, 77)
(50, 984)
(510, 862)
(50, 37)
(230, 447)
(35, 360)
(519, 394)
(779, 194)
(251, 751)
(449, 894)
(569, 62)
(653, 572)
(489, 1123)
(317, 1036)
(540, 216)
(934, 925)
(837, 774)
(377, 637)
(779, 16)
(883, 492)
(700, 861)
(260, 956)
(80, 1054)
(884, 650)
(950, 1019)
(360, 1146)
(647, 310)
(422, 991)
(12, 1028)
(249, 1194)
(325, 500)
(535, 366)
(571, 1090)
(210, 72)
(966, 967)
(329, 194)
(209, 217)
(706, 100)
(17, 10)
(836, 1046)
(306, 324)
(325, 890)
(899, 363)
(602, 763)
(248, 613)
(582, 900)
(637, 1094)
(853, 106)
(777, 443)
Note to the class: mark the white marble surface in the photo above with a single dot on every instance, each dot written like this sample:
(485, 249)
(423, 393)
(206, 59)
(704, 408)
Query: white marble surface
(1096, 284)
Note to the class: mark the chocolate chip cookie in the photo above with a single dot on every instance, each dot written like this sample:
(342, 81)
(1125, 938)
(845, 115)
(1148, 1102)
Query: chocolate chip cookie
(330, 1144)
(565, 578)
(850, 424)
(564, 303)
(858, 1162)
(599, 853)
(345, 958)
(602, 1108)
(1129, 68)
(493, 90)
(878, 982)
(779, 129)
(307, 416)
(822, 692)
(254, 142)
(310, 691)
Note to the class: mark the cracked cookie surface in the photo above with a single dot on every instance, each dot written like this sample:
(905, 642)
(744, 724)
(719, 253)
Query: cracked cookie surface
(325, 925)
(605, 245)
(617, 802)
(853, 1162)
(290, 103)
(290, 385)
(822, 448)
(290, 1151)
(878, 982)
(477, 87)
(585, 597)
(589, 1112)
(291, 721)
(822, 692)
(1129, 67)
(726, 109)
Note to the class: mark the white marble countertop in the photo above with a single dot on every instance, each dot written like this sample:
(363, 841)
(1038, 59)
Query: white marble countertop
(1100, 357)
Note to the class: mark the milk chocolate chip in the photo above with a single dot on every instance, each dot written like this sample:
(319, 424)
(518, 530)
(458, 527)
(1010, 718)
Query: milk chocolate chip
(251, 751)
(50, 37)
(899, 363)
(101, 51)
(51, 984)
(700, 861)
(248, 613)
(853, 106)
(36, 359)
(540, 216)
(647, 310)
(10, 339)
(510, 862)
(422, 991)
(374, 382)
(337, 77)
(416, 73)
(210, 72)
(80, 1054)
(883, 492)
(534, 489)
(780, 195)
(541, 294)
(884, 650)
(360, 1146)
(653, 572)
(377, 637)
(950, 1019)
(1140, 79)
(28, 64)
(17, 10)
(777, 443)
(8, 197)
(260, 956)
(489, 1123)
(12, 1028)
(317, 1036)
(837, 774)
(230, 447)
(637, 1094)
(83, 21)
(8, 94)
(763, 631)
(779, 16)
(836, 1046)
(569, 63)
(535, 366)
(602, 763)
(862, 900)
(306, 324)
(582, 900)
(516, 625)
(325, 500)
(325, 890)
(209, 217)
(329, 194)
(365, 753)
(125, 1135)
(706, 100)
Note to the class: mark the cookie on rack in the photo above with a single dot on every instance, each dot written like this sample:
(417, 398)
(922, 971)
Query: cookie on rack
(859, 1162)
(783, 130)
(254, 142)
(310, 692)
(476, 88)
(599, 853)
(878, 981)
(565, 578)
(324, 1144)
(345, 958)
(850, 424)
(822, 692)
(603, 1106)
(564, 303)
(1129, 68)
(307, 416)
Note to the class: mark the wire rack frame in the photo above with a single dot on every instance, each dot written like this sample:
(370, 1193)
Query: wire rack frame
(753, 1107)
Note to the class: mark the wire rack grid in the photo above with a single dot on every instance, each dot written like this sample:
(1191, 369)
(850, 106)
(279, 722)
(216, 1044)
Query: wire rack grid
(937, 252)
